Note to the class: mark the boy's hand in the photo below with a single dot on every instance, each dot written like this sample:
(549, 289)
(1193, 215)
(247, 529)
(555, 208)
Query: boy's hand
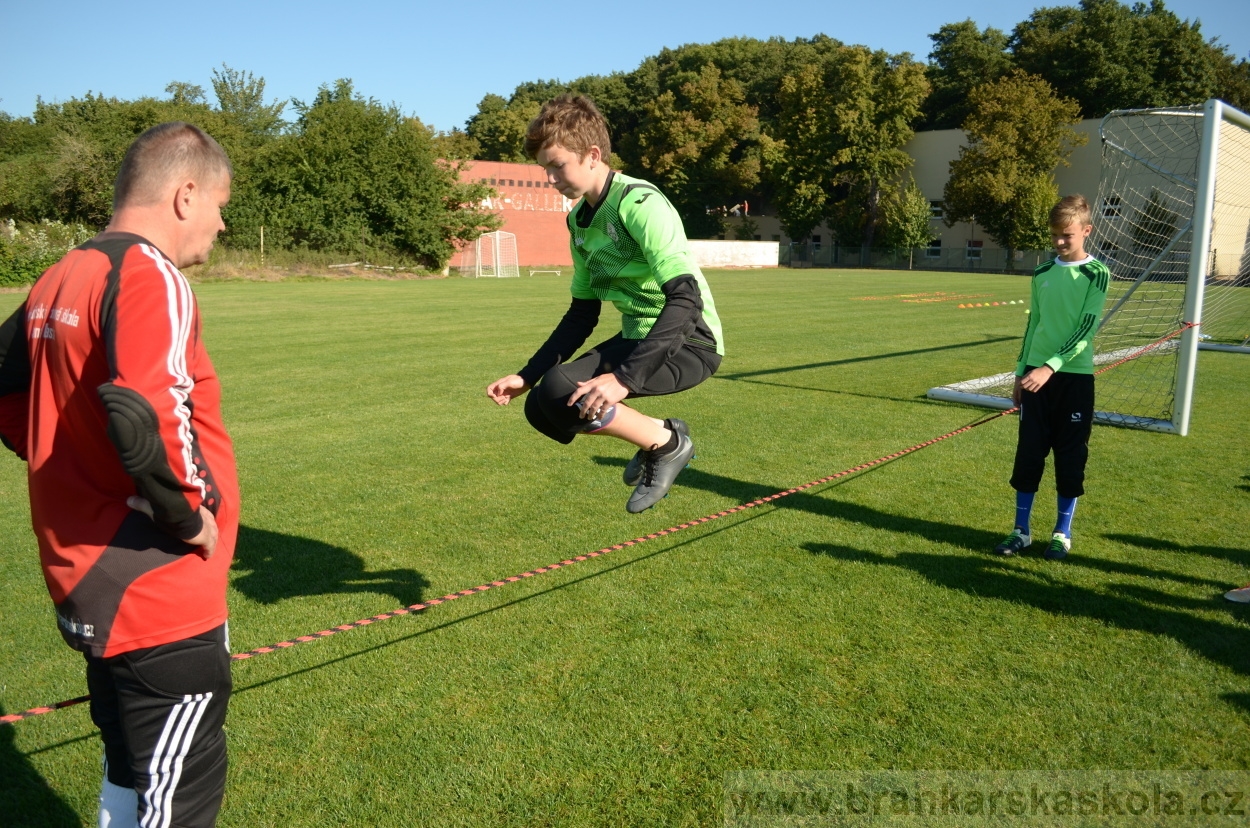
(598, 394)
(1035, 379)
(206, 540)
(505, 389)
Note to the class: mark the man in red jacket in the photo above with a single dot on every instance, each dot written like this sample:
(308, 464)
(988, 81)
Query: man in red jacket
(107, 393)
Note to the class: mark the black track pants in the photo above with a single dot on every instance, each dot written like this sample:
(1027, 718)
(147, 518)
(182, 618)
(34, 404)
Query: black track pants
(1057, 418)
(546, 405)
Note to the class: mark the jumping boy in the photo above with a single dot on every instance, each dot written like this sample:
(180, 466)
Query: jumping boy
(1055, 376)
(629, 248)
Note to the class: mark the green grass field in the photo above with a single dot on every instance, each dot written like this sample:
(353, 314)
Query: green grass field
(863, 624)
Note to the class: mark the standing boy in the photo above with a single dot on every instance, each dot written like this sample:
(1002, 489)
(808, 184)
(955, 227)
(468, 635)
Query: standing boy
(1055, 376)
(107, 393)
(629, 248)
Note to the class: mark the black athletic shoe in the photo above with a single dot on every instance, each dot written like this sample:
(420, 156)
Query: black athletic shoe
(1058, 549)
(633, 470)
(1014, 544)
(658, 473)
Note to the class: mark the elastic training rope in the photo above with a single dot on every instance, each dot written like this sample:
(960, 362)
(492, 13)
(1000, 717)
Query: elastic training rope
(434, 602)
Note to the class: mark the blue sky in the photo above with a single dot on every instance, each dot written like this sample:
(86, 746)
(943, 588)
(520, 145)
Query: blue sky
(437, 60)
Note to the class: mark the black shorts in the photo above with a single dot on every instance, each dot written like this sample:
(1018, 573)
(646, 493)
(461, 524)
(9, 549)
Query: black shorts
(160, 711)
(547, 408)
(1057, 418)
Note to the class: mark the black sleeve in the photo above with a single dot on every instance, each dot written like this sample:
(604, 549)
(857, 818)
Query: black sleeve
(574, 329)
(14, 376)
(683, 306)
(134, 430)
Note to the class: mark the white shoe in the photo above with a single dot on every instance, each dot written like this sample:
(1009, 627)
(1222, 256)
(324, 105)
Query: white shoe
(1241, 596)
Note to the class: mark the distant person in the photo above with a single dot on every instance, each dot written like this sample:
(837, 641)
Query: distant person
(629, 248)
(107, 393)
(1055, 376)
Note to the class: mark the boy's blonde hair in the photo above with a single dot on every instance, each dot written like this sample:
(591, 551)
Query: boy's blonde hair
(573, 122)
(1069, 209)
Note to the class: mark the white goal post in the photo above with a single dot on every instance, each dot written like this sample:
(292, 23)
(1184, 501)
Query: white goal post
(491, 255)
(1172, 224)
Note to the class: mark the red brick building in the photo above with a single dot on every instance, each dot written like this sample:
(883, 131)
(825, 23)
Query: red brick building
(531, 209)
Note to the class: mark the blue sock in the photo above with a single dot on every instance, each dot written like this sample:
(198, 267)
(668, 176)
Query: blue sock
(1067, 508)
(1024, 508)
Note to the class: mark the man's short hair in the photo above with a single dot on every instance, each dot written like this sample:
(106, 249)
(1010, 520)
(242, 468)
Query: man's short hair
(573, 122)
(163, 153)
(1069, 209)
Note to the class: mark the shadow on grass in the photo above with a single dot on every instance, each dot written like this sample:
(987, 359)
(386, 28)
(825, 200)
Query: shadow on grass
(982, 575)
(1237, 556)
(741, 375)
(1156, 613)
(271, 567)
(1241, 700)
(25, 798)
(503, 606)
(742, 491)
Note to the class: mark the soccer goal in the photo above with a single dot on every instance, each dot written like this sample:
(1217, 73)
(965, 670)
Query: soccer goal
(492, 255)
(1172, 224)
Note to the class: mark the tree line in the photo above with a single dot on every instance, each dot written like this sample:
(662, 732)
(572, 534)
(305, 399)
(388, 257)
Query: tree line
(346, 175)
(813, 127)
(816, 127)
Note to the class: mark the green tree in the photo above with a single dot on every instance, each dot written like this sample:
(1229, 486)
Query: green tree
(499, 127)
(798, 156)
(700, 146)
(241, 101)
(963, 57)
(1019, 131)
(1107, 55)
(25, 183)
(90, 136)
(456, 145)
(879, 101)
(1232, 78)
(839, 137)
(908, 221)
(357, 177)
(185, 93)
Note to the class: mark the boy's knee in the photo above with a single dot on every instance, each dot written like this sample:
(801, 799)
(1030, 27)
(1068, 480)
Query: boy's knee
(547, 406)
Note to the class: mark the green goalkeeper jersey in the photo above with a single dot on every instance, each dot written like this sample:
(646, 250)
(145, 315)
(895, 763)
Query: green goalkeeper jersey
(1064, 309)
(626, 248)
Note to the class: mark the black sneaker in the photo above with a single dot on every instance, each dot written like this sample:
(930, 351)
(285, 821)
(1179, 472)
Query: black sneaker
(633, 470)
(658, 473)
(1058, 549)
(1014, 544)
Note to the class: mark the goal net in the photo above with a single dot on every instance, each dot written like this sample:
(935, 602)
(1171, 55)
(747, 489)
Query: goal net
(1172, 224)
(491, 255)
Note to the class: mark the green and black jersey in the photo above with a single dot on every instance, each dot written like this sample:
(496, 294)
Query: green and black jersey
(1064, 309)
(626, 248)
(630, 249)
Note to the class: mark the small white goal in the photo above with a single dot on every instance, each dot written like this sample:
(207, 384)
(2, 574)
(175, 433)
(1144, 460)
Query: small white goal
(492, 255)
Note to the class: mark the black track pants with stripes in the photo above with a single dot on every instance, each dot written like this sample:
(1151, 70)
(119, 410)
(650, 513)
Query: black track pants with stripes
(160, 712)
(1058, 417)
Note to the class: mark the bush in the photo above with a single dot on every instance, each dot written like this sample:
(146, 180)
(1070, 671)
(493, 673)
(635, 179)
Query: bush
(27, 250)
